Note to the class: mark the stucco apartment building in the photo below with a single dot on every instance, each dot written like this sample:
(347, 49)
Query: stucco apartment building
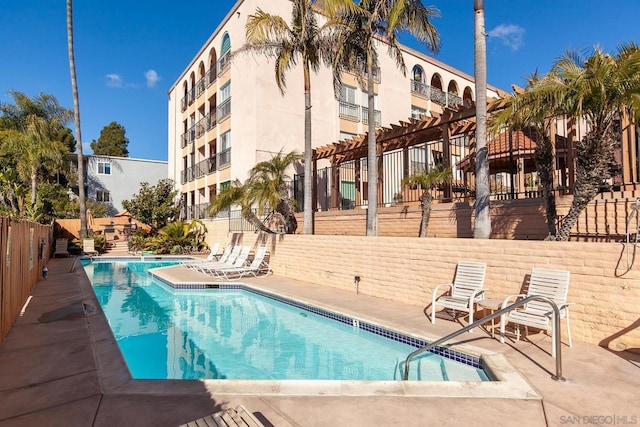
(225, 116)
(112, 179)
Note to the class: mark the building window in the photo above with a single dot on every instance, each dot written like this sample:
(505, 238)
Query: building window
(225, 92)
(225, 185)
(224, 155)
(417, 111)
(102, 196)
(104, 168)
(345, 135)
(348, 94)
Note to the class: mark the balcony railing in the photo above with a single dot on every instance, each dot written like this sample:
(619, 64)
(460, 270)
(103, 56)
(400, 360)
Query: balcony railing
(453, 100)
(376, 114)
(223, 63)
(419, 88)
(192, 95)
(184, 139)
(211, 75)
(224, 109)
(200, 127)
(205, 167)
(200, 86)
(438, 96)
(349, 111)
(183, 103)
(210, 120)
(224, 157)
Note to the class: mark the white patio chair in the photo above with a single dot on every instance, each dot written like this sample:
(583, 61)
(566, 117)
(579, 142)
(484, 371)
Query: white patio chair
(233, 261)
(464, 292)
(213, 256)
(257, 266)
(62, 247)
(553, 284)
(89, 247)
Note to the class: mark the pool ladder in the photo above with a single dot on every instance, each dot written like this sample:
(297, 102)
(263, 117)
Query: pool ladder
(556, 329)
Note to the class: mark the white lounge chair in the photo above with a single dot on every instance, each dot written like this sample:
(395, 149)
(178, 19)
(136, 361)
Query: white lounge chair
(258, 265)
(62, 247)
(213, 256)
(553, 284)
(464, 292)
(89, 247)
(228, 417)
(228, 256)
(237, 258)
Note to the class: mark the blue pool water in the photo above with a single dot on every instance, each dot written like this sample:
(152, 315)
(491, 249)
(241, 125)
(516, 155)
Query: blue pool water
(239, 334)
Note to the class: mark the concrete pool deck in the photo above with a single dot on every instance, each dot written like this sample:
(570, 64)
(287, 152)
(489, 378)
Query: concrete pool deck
(59, 365)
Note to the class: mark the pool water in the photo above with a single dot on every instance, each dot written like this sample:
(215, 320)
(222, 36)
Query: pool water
(165, 333)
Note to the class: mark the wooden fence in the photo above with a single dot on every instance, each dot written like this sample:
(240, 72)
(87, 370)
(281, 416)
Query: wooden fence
(25, 248)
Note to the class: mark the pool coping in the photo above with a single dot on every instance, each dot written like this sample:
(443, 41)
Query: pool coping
(115, 377)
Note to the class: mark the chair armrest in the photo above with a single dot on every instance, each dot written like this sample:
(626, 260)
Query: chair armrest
(435, 290)
(508, 299)
(474, 296)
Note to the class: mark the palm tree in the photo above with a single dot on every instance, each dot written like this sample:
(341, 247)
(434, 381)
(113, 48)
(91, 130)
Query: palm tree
(76, 119)
(365, 24)
(266, 188)
(428, 181)
(32, 149)
(482, 228)
(305, 41)
(598, 88)
(533, 115)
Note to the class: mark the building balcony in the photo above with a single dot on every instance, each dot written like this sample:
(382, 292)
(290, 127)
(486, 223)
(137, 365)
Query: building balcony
(192, 95)
(224, 109)
(205, 167)
(183, 102)
(438, 96)
(349, 111)
(376, 114)
(224, 63)
(210, 120)
(200, 86)
(453, 101)
(419, 88)
(224, 157)
(211, 75)
(200, 125)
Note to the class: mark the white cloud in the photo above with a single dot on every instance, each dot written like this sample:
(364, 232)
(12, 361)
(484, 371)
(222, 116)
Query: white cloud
(114, 80)
(510, 35)
(152, 78)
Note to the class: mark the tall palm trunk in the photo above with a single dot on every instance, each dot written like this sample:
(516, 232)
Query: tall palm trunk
(308, 178)
(372, 155)
(482, 228)
(76, 119)
(544, 166)
(592, 168)
(34, 185)
(427, 200)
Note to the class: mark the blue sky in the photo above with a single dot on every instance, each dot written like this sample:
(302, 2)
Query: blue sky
(128, 53)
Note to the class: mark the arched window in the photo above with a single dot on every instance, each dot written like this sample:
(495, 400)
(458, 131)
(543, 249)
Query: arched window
(225, 49)
(467, 97)
(436, 81)
(226, 44)
(453, 87)
(417, 75)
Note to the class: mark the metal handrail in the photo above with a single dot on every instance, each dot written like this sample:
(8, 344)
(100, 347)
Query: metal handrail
(556, 325)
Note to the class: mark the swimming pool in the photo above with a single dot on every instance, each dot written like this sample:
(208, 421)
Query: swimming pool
(237, 332)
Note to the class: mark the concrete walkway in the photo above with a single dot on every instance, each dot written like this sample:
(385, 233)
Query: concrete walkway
(60, 366)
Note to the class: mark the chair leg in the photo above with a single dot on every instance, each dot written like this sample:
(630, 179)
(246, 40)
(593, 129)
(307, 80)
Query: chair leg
(553, 338)
(471, 320)
(502, 328)
(568, 329)
(433, 312)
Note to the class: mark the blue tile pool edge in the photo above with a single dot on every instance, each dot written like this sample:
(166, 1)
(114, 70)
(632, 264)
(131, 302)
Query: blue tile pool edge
(474, 361)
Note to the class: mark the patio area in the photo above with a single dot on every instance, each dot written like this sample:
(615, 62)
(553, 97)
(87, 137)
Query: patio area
(60, 365)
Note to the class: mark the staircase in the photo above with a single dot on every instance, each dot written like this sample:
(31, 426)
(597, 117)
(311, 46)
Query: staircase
(117, 248)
